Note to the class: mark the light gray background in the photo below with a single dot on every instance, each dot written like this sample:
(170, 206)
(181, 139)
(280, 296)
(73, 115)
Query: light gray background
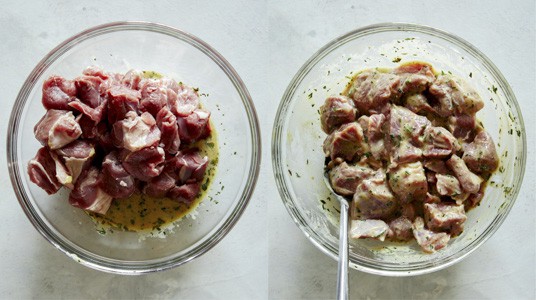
(266, 256)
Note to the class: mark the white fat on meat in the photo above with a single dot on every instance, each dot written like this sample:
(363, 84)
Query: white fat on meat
(57, 129)
(138, 132)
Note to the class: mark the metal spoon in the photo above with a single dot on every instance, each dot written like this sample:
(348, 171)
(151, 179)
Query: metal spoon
(342, 271)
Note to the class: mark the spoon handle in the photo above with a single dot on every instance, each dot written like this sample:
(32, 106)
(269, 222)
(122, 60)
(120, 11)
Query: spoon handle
(342, 272)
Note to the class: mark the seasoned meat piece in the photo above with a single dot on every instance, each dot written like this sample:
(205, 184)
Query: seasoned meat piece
(376, 229)
(417, 103)
(345, 178)
(346, 142)
(400, 229)
(404, 152)
(474, 199)
(469, 181)
(87, 193)
(414, 77)
(136, 132)
(480, 155)
(167, 123)
(87, 90)
(462, 126)
(439, 143)
(406, 125)
(57, 93)
(188, 166)
(444, 217)
(408, 182)
(145, 163)
(371, 91)
(373, 199)
(42, 171)
(186, 103)
(453, 96)
(436, 166)
(121, 100)
(57, 128)
(77, 156)
(195, 126)
(116, 181)
(153, 96)
(185, 193)
(448, 185)
(132, 79)
(337, 110)
(159, 186)
(428, 240)
(376, 136)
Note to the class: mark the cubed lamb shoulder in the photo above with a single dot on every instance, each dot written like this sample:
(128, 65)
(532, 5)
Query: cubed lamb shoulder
(346, 142)
(469, 181)
(337, 110)
(58, 92)
(400, 229)
(409, 152)
(429, 241)
(344, 178)
(57, 129)
(373, 199)
(42, 171)
(445, 217)
(408, 182)
(480, 155)
(370, 228)
(108, 135)
(87, 193)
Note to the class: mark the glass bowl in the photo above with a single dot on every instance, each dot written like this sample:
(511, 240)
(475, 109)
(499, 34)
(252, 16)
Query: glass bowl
(298, 159)
(119, 47)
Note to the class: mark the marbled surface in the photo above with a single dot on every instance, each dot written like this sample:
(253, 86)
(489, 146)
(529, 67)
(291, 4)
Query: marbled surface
(266, 255)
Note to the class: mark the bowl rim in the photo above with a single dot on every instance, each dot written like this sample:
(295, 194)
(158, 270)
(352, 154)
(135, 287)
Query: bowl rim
(113, 265)
(279, 124)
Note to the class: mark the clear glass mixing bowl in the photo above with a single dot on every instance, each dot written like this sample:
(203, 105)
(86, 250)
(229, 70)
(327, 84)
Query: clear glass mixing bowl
(298, 159)
(119, 47)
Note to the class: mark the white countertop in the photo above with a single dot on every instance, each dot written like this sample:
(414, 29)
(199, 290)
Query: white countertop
(266, 255)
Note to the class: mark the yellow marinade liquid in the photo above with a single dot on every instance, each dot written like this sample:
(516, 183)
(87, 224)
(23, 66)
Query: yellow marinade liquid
(143, 213)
